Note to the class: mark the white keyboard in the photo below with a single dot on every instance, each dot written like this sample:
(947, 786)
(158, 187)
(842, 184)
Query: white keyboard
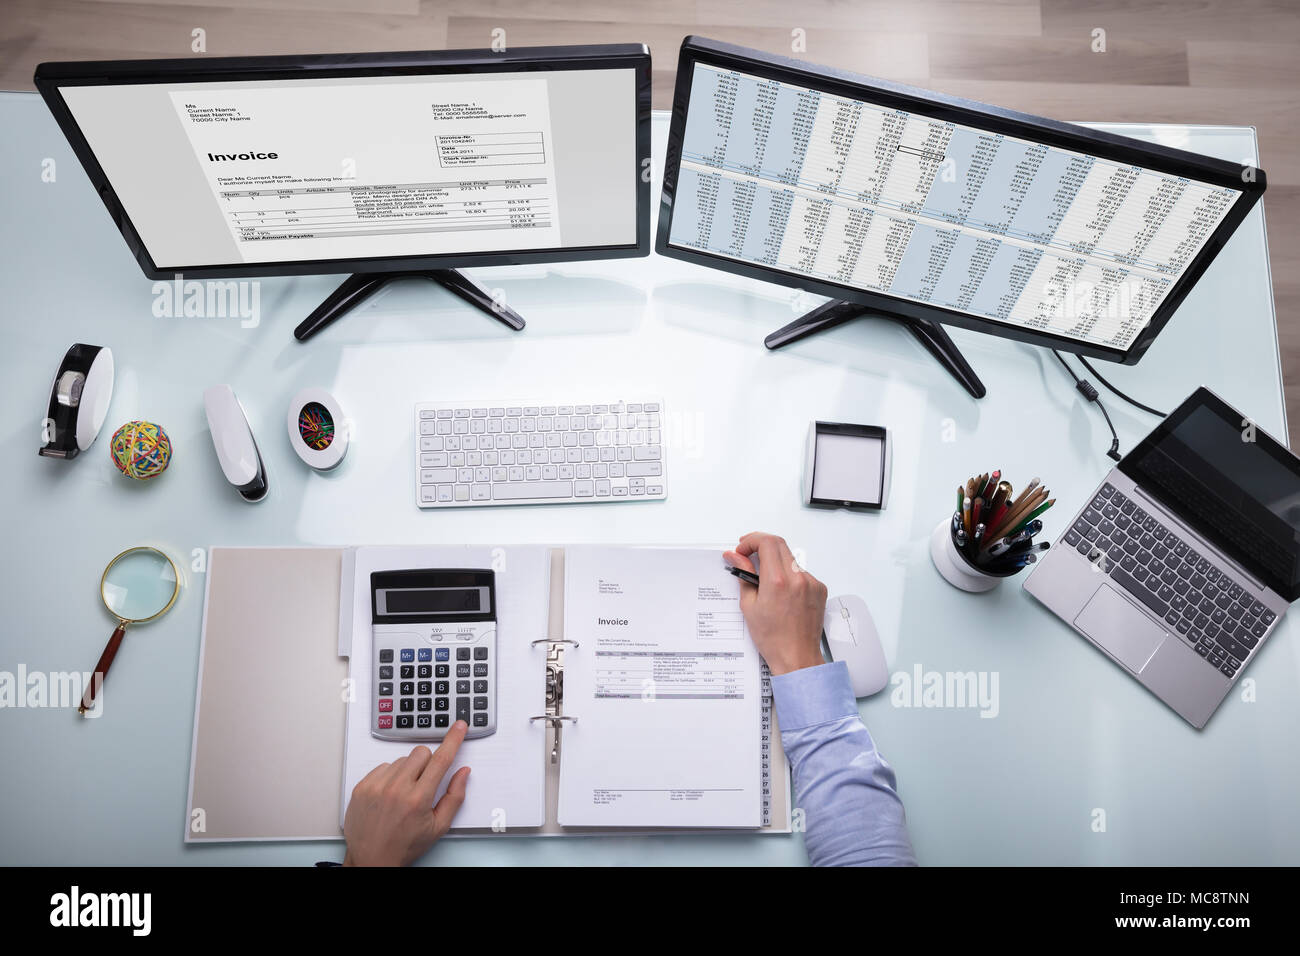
(470, 454)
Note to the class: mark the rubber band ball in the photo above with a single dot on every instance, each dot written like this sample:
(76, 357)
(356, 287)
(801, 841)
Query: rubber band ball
(141, 450)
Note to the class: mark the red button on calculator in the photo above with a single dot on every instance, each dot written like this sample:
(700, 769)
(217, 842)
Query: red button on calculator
(386, 723)
(385, 705)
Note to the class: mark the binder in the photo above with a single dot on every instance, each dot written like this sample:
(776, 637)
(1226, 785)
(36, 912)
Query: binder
(237, 777)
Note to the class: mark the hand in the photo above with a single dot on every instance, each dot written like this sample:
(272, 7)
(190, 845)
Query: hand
(785, 612)
(389, 821)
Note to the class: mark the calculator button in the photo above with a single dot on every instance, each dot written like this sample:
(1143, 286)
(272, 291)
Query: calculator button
(480, 720)
(422, 720)
(442, 670)
(386, 722)
(424, 703)
(440, 720)
(480, 653)
(480, 687)
(462, 709)
(424, 671)
(480, 703)
(443, 653)
(425, 687)
(408, 654)
(441, 703)
(462, 670)
(403, 721)
(442, 687)
(407, 704)
(386, 656)
(480, 670)
(386, 672)
(426, 653)
(386, 690)
(462, 687)
(462, 653)
(407, 688)
(408, 671)
(385, 705)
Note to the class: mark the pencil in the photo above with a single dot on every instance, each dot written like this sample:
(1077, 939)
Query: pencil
(1032, 500)
(1033, 514)
(1020, 498)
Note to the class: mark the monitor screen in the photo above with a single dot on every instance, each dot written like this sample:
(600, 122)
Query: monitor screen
(1004, 229)
(1213, 467)
(319, 168)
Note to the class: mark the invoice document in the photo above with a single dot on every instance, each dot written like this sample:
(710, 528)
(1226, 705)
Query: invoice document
(666, 690)
(338, 171)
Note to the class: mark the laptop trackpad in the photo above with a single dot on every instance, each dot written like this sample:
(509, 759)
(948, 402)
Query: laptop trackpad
(1121, 629)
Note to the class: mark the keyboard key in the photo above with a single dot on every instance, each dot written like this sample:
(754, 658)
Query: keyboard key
(533, 489)
(480, 720)
(480, 653)
(1139, 591)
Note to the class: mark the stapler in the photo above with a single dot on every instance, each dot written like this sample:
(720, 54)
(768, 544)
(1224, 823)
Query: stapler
(232, 437)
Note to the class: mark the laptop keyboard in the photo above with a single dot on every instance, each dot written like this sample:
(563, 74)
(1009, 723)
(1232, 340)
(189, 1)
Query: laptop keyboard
(1192, 594)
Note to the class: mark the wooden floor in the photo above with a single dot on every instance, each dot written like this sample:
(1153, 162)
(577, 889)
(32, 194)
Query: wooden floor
(1179, 61)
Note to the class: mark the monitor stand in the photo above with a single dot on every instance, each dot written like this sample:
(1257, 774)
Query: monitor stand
(361, 286)
(930, 334)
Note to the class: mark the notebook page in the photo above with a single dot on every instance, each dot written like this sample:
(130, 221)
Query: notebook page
(666, 688)
(507, 771)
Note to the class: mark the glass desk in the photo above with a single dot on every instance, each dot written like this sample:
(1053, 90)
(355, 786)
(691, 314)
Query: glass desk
(1071, 735)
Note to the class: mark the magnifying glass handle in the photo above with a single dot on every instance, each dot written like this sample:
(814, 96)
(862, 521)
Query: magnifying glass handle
(101, 669)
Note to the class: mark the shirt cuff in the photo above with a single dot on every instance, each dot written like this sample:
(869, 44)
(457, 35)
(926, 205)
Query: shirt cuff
(813, 695)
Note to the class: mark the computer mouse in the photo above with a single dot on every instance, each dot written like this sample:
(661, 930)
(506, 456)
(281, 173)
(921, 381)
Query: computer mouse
(852, 638)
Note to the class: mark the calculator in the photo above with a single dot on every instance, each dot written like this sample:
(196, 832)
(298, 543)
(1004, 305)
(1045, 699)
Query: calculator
(435, 632)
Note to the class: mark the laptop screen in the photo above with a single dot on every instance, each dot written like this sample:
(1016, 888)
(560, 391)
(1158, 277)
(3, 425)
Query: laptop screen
(1237, 486)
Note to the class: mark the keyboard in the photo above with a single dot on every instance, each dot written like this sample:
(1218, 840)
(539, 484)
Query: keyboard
(470, 454)
(1194, 595)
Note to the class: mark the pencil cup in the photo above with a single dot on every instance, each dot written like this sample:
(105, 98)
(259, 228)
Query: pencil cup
(956, 568)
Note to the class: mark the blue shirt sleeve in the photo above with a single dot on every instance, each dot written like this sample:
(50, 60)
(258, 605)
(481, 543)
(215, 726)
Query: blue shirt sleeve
(846, 791)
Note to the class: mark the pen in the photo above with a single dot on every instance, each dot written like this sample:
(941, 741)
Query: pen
(749, 577)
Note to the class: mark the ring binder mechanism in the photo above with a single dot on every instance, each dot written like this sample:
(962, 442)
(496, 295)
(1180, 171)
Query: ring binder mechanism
(554, 690)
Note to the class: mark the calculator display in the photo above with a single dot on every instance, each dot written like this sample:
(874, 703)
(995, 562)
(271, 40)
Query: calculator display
(433, 600)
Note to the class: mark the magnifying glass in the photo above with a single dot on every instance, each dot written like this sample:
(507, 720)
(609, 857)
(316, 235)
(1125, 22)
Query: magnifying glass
(139, 585)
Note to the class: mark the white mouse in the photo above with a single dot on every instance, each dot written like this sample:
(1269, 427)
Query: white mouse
(852, 638)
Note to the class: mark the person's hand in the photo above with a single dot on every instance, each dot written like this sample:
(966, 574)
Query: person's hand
(785, 612)
(389, 820)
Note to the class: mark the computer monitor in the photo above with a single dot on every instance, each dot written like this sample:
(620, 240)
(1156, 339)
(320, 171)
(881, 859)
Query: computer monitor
(385, 165)
(930, 209)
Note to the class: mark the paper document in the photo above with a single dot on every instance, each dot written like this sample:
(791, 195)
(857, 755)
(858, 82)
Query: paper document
(507, 769)
(335, 171)
(666, 688)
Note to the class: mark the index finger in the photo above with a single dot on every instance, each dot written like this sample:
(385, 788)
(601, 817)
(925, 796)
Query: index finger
(442, 758)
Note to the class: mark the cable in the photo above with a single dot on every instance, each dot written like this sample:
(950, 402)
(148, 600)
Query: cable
(1084, 388)
(1132, 401)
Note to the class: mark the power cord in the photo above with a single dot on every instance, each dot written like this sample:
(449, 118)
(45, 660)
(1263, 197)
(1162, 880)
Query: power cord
(1132, 401)
(1086, 389)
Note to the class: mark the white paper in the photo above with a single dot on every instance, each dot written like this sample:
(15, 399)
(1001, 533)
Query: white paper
(507, 783)
(848, 468)
(348, 170)
(666, 688)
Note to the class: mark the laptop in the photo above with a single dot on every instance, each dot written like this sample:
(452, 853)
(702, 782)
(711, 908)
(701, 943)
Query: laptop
(1186, 556)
